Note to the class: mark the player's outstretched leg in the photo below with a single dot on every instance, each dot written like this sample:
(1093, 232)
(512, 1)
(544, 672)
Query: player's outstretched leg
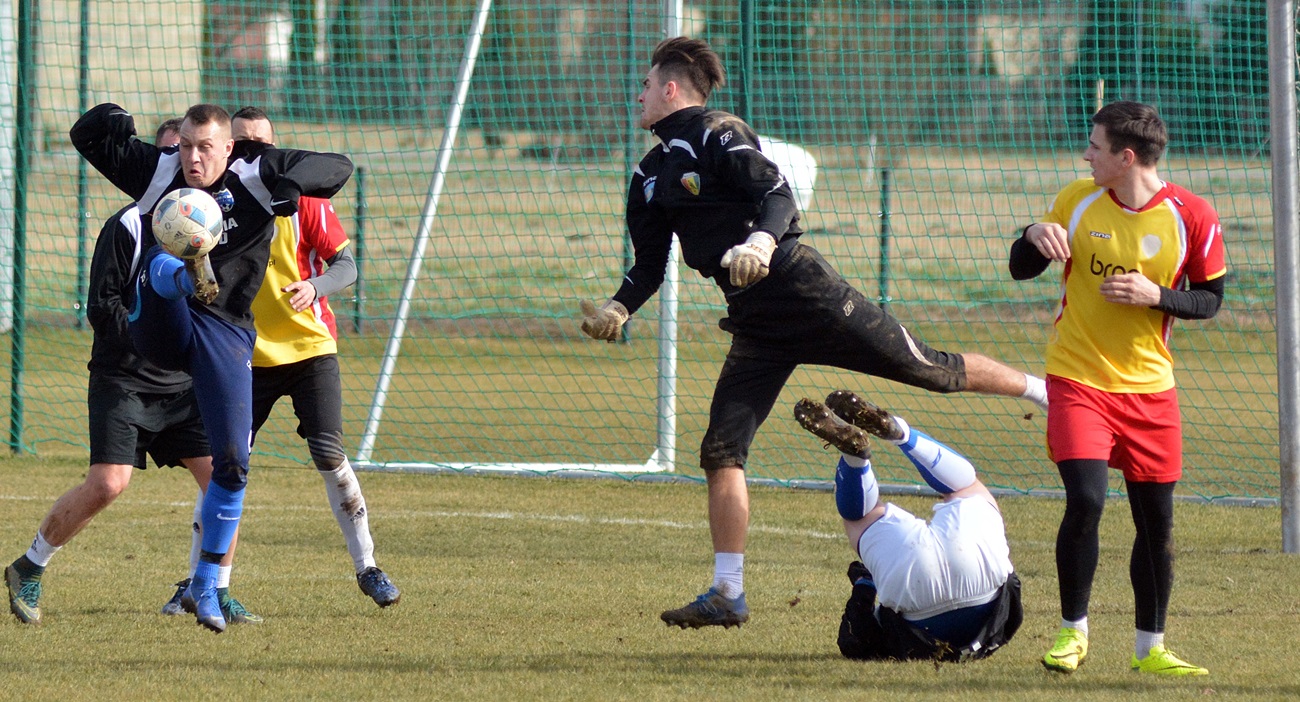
(857, 493)
(943, 469)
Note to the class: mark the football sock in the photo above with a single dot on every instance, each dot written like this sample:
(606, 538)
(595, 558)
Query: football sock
(729, 574)
(223, 576)
(206, 573)
(41, 551)
(1036, 391)
(856, 489)
(196, 533)
(345, 498)
(1147, 640)
(942, 468)
(221, 511)
(169, 278)
(1080, 624)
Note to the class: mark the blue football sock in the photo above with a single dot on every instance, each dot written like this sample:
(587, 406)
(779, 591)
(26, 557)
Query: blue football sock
(169, 278)
(222, 509)
(856, 490)
(944, 470)
(205, 573)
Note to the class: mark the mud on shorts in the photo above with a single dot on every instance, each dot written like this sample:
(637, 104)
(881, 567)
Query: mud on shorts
(125, 425)
(314, 387)
(804, 313)
(959, 559)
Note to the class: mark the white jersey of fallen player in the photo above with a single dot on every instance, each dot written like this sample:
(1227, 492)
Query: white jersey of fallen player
(796, 164)
(921, 570)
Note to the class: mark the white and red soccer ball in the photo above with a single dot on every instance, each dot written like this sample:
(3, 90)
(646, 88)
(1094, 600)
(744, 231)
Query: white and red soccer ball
(187, 222)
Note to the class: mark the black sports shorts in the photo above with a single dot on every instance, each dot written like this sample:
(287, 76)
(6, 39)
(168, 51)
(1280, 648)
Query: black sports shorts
(126, 424)
(314, 387)
(803, 312)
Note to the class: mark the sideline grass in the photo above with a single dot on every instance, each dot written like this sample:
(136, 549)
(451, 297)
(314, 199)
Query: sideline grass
(548, 589)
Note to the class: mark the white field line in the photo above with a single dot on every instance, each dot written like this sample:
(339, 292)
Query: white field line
(518, 516)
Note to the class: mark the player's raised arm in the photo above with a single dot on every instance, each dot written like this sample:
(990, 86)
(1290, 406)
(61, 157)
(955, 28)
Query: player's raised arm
(105, 136)
(291, 173)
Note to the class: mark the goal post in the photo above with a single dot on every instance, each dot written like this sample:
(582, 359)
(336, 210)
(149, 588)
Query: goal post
(663, 453)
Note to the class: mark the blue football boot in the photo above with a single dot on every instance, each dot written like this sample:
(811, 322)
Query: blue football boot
(709, 609)
(201, 598)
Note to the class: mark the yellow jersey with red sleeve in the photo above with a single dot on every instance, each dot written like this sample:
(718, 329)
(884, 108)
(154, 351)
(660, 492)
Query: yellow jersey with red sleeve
(1174, 239)
(302, 245)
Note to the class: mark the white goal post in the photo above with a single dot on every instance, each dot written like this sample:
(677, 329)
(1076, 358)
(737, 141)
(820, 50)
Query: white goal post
(662, 456)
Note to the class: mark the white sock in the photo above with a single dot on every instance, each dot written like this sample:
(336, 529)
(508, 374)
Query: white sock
(907, 430)
(729, 574)
(41, 551)
(1036, 391)
(1081, 625)
(944, 469)
(349, 507)
(1147, 640)
(196, 533)
(223, 575)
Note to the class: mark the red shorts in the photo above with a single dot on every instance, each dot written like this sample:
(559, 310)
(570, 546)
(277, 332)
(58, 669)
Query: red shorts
(1139, 433)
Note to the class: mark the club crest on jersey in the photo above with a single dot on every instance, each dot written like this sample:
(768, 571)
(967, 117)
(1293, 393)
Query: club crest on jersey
(649, 188)
(691, 181)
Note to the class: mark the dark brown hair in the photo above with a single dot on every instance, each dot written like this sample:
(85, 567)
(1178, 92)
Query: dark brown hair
(1133, 125)
(170, 125)
(204, 113)
(690, 61)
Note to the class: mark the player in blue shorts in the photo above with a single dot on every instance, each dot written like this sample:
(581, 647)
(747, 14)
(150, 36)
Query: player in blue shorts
(135, 408)
(212, 337)
(942, 590)
(297, 355)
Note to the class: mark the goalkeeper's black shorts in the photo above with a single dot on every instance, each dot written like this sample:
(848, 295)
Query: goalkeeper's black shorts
(804, 313)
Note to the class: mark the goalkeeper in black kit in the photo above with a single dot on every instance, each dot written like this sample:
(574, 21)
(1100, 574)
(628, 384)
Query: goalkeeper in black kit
(183, 321)
(708, 182)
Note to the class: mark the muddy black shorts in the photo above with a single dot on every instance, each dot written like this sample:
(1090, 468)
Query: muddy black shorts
(314, 387)
(804, 313)
(125, 425)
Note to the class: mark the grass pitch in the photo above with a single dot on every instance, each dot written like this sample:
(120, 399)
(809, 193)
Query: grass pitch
(550, 589)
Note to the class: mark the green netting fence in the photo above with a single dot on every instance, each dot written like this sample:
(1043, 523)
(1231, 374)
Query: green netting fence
(939, 129)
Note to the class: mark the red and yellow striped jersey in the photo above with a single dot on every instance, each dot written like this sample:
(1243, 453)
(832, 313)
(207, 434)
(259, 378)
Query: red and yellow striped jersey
(1175, 238)
(299, 250)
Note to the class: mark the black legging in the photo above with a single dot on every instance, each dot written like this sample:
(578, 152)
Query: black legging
(1151, 569)
(1151, 566)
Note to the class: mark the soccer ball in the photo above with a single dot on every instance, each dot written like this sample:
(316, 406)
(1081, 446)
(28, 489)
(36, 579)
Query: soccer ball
(187, 222)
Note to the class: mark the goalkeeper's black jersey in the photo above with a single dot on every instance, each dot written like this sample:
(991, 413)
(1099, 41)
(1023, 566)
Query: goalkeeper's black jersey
(707, 181)
(256, 176)
(113, 269)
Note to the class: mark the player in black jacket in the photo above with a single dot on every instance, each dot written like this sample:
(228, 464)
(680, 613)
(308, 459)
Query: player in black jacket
(737, 222)
(946, 589)
(135, 408)
(211, 340)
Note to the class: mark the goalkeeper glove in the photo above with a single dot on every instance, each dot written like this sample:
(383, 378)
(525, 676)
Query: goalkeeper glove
(604, 322)
(749, 261)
